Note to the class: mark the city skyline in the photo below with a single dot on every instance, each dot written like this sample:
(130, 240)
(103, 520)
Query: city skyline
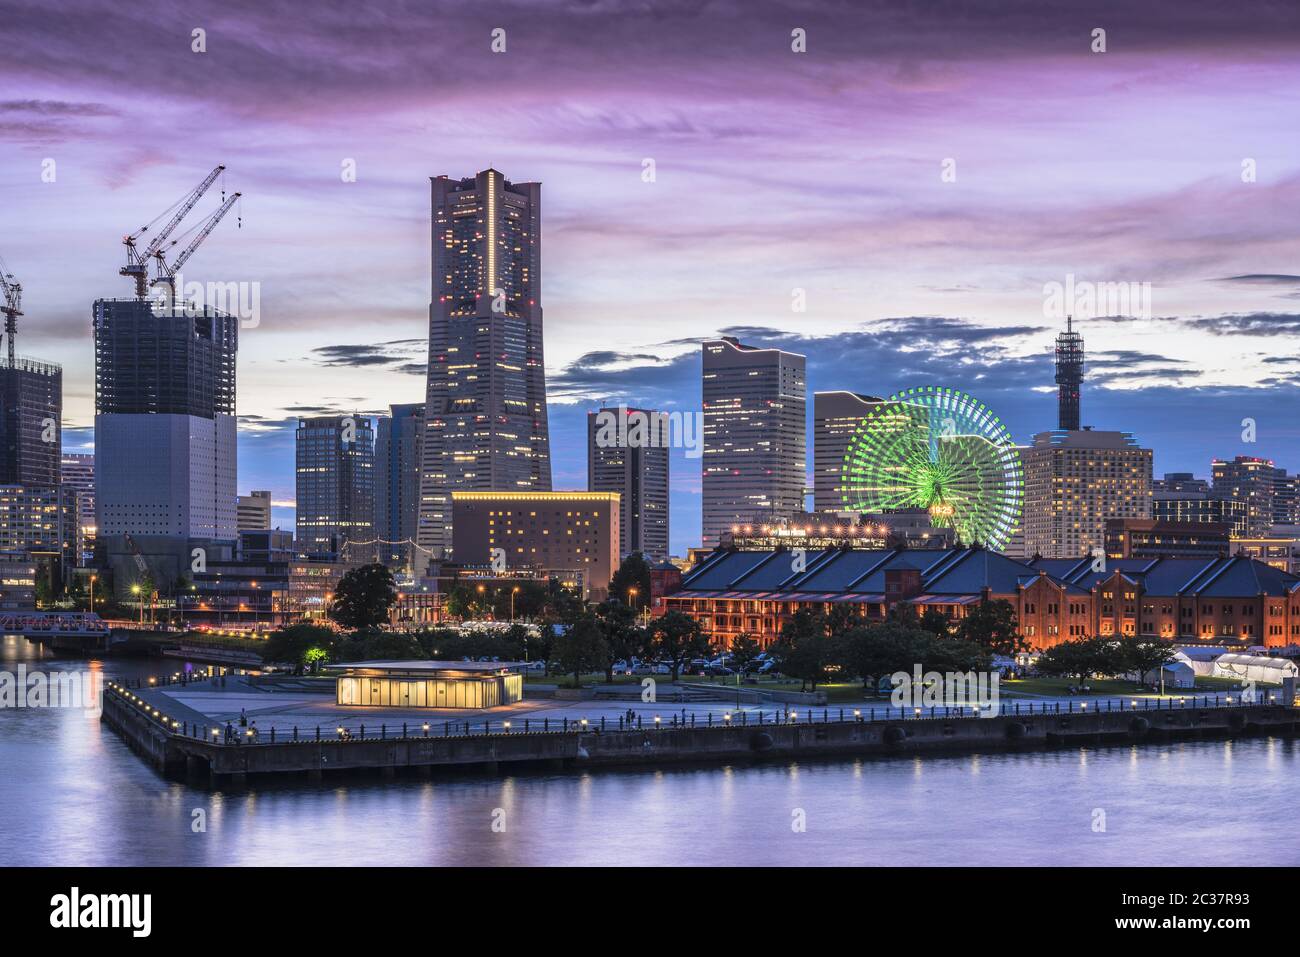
(908, 279)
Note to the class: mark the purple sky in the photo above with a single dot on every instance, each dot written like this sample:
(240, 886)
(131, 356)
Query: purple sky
(775, 171)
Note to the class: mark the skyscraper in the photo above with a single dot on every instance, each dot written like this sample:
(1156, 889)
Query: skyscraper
(1074, 482)
(635, 465)
(31, 408)
(836, 416)
(485, 410)
(335, 482)
(1246, 479)
(398, 440)
(77, 472)
(165, 452)
(1069, 376)
(755, 436)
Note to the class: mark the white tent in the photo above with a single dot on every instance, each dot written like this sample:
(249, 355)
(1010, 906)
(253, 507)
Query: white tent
(1178, 674)
(1268, 671)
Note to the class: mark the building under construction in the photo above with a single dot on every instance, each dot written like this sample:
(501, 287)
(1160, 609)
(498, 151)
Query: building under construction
(165, 450)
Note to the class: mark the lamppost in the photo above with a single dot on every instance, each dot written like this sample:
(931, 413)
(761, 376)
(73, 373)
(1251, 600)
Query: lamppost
(514, 591)
(136, 590)
(481, 591)
(93, 578)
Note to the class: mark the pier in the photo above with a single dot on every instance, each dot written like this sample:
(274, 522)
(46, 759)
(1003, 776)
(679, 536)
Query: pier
(181, 742)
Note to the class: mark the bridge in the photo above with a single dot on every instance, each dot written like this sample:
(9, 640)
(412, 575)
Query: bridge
(56, 626)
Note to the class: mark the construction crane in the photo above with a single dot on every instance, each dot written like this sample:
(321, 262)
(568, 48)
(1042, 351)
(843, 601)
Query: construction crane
(137, 261)
(167, 273)
(12, 309)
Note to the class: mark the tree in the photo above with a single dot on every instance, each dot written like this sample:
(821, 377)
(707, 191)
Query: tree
(935, 622)
(633, 573)
(623, 638)
(1082, 658)
(363, 597)
(676, 638)
(580, 648)
(744, 650)
(873, 652)
(993, 625)
(296, 644)
(1144, 655)
(804, 650)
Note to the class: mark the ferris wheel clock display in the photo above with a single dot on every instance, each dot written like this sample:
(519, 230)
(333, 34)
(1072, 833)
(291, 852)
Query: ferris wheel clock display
(942, 450)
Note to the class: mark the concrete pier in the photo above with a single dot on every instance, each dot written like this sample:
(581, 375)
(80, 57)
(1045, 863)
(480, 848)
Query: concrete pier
(158, 740)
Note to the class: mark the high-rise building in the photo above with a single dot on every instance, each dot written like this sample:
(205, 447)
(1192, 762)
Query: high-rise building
(1077, 480)
(78, 473)
(631, 458)
(31, 408)
(1069, 376)
(165, 451)
(1193, 507)
(1250, 480)
(253, 512)
(398, 441)
(836, 417)
(571, 536)
(1286, 498)
(485, 410)
(755, 436)
(335, 470)
(39, 522)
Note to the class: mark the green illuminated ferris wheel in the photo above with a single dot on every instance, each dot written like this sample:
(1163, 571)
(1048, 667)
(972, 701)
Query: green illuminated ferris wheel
(942, 450)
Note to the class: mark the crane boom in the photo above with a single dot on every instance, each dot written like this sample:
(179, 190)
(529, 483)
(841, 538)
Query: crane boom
(136, 260)
(166, 273)
(12, 308)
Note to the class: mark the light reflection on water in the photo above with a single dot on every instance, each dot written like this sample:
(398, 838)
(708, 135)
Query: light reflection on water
(72, 793)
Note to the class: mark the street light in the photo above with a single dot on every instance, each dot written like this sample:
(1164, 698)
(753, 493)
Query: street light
(137, 591)
(93, 579)
(514, 591)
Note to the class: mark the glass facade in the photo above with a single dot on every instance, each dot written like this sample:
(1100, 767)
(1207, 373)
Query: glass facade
(471, 691)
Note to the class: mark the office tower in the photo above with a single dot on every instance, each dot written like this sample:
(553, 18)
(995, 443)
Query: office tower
(77, 472)
(39, 523)
(631, 458)
(398, 440)
(1178, 484)
(836, 417)
(1074, 482)
(335, 469)
(31, 408)
(1192, 507)
(253, 512)
(485, 410)
(1250, 480)
(1069, 376)
(1286, 498)
(1157, 538)
(755, 436)
(571, 536)
(165, 452)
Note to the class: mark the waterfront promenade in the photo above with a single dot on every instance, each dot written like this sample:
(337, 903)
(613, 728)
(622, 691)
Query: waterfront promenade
(187, 730)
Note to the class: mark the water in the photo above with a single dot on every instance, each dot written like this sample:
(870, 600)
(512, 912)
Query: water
(72, 793)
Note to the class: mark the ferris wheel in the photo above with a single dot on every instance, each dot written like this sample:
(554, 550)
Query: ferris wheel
(942, 450)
